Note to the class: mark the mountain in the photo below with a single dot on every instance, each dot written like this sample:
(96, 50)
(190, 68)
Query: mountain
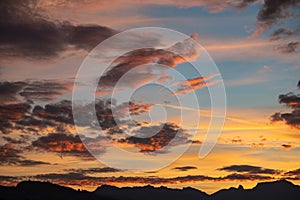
(32, 190)
(281, 189)
(150, 193)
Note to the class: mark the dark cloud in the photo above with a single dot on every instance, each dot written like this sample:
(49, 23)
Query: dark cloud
(58, 112)
(14, 111)
(12, 92)
(185, 168)
(273, 11)
(76, 178)
(146, 138)
(290, 47)
(244, 3)
(187, 49)
(291, 101)
(295, 172)
(163, 136)
(9, 180)
(94, 170)
(196, 142)
(240, 177)
(45, 90)
(11, 113)
(283, 33)
(286, 146)
(70, 145)
(109, 121)
(82, 179)
(11, 156)
(22, 117)
(64, 144)
(59, 116)
(27, 32)
(9, 91)
(11, 140)
(249, 169)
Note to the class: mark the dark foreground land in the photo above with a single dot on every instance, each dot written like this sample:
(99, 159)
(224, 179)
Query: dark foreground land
(31, 190)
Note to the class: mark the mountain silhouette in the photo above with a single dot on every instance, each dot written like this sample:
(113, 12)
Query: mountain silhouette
(34, 190)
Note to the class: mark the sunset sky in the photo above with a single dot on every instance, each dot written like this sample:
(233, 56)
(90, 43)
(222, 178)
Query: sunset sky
(254, 45)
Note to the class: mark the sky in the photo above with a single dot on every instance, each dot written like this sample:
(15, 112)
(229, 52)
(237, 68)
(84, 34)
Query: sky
(151, 92)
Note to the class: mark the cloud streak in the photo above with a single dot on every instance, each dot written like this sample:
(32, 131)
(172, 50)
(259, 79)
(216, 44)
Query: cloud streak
(190, 85)
(80, 179)
(249, 169)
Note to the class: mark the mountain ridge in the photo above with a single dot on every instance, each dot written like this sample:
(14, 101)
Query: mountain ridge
(33, 190)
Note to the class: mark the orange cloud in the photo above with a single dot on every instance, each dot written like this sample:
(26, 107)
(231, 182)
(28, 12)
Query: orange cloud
(190, 85)
(286, 146)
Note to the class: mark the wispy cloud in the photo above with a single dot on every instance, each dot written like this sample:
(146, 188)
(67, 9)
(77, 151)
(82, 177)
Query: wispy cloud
(190, 85)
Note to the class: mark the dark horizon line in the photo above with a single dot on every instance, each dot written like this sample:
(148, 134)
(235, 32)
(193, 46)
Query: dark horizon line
(147, 186)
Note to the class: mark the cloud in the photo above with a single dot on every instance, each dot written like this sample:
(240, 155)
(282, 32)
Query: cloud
(190, 85)
(132, 108)
(274, 11)
(81, 179)
(27, 32)
(14, 111)
(196, 142)
(290, 47)
(271, 12)
(10, 156)
(291, 101)
(58, 112)
(184, 168)
(74, 178)
(16, 140)
(23, 33)
(46, 90)
(51, 128)
(240, 177)
(10, 113)
(22, 117)
(265, 69)
(93, 170)
(283, 33)
(293, 172)
(9, 91)
(63, 144)
(164, 135)
(236, 140)
(249, 169)
(286, 146)
(187, 49)
(9, 180)
(58, 117)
